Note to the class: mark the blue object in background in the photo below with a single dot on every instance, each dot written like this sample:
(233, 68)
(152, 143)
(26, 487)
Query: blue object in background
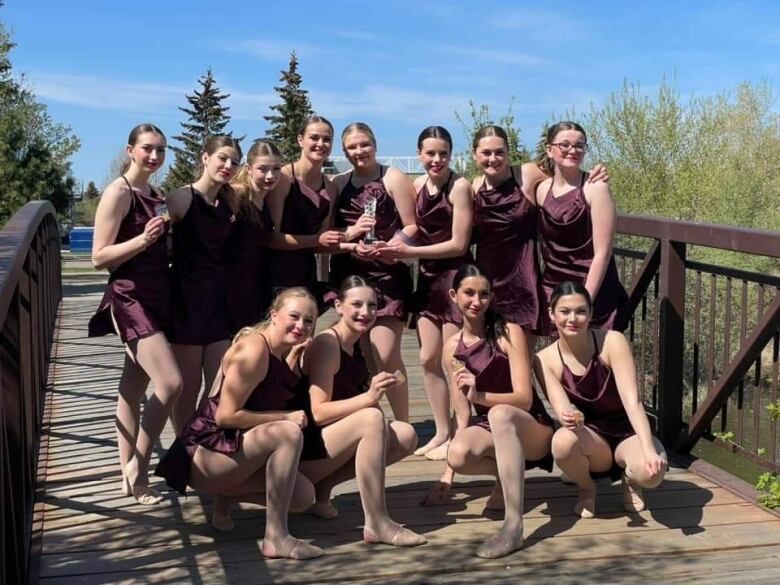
(81, 239)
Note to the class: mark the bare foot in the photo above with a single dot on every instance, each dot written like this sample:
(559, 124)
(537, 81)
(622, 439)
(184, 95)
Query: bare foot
(633, 498)
(394, 535)
(438, 453)
(495, 500)
(586, 502)
(325, 510)
(220, 516)
(501, 544)
(432, 444)
(289, 547)
(133, 485)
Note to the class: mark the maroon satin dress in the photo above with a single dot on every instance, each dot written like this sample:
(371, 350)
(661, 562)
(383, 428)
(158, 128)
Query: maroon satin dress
(490, 367)
(274, 393)
(567, 251)
(305, 213)
(595, 394)
(199, 250)
(139, 290)
(352, 378)
(434, 279)
(392, 282)
(246, 267)
(505, 233)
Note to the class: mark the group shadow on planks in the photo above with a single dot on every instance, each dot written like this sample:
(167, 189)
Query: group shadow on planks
(215, 285)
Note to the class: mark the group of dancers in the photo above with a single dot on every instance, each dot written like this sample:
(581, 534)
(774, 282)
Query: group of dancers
(215, 285)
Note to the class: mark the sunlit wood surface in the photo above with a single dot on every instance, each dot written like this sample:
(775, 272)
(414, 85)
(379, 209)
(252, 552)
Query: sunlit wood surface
(694, 530)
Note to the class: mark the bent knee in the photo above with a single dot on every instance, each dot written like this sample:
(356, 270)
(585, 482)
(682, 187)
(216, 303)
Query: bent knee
(502, 415)
(457, 455)
(405, 435)
(370, 419)
(284, 431)
(303, 494)
(430, 362)
(170, 388)
(565, 442)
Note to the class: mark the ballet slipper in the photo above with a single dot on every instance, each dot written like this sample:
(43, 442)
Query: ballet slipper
(585, 507)
(290, 548)
(325, 510)
(500, 545)
(495, 500)
(394, 535)
(633, 498)
(438, 453)
(430, 445)
(142, 493)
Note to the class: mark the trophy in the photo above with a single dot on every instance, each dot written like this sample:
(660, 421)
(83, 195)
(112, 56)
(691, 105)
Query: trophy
(370, 209)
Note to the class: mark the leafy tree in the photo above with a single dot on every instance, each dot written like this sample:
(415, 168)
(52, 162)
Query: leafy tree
(479, 117)
(290, 114)
(91, 192)
(207, 116)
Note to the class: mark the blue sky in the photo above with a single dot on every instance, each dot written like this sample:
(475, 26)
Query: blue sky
(102, 65)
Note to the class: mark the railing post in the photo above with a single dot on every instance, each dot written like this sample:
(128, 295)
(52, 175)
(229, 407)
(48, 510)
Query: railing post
(671, 337)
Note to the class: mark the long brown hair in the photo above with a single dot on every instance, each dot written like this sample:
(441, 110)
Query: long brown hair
(211, 145)
(132, 140)
(544, 162)
(242, 183)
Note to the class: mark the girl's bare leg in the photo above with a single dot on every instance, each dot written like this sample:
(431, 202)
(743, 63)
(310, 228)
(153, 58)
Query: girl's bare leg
(431, 338)
(190, 361)
(629, 456)
(132, 387)
(578, 453)
(276, 446)
(386, 342)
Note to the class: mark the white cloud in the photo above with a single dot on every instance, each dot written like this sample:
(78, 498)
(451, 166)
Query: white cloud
(503, 56)
(268, 50)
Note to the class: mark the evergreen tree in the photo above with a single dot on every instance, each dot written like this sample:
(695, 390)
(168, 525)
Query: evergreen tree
(206, 117)
(91, 192)
(290, 114)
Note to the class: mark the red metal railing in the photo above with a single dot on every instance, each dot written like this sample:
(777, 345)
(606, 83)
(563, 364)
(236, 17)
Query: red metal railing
(30, 292)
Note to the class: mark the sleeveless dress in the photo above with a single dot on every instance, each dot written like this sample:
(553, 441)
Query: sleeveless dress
(567, 251)
(305, 212)
(434, 279)
(273, 393)
(392, 282)
(490, 367)
(505, 234)
(246, 267)
(139, 290)
(595, 394)
(199, 249)
(352, 378)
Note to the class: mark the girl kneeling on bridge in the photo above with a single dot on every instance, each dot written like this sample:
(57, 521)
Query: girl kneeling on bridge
(242, 444)
(590, 380)
(488, 363)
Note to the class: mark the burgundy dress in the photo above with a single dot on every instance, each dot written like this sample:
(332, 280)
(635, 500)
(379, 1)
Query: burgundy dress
(595, 394)
(139, 290)
(392, 282)
(305, 213)
(246, 267)
(505, 234)
(199, 249)
(567, 251)
(490, 367)
(273, 393)
(352, 378)
(434, 280)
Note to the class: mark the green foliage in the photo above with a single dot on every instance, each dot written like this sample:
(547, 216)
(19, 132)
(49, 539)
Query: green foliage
(290, 113)
(774, 409)
(480, 116)
(206, 117)
(91, 192)
(727, 437)
(769, 486)
(35, 151)
(760, 451)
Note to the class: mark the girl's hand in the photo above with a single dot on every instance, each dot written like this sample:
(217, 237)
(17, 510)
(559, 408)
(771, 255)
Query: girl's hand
(153, 229)
(395, 251)
(365, 252)
(572, 418)
(331, 238)
(360, 227)
(465, 381)
(598, 174)
(655, 464)
(298, 417)
(379, 385)
(296, 352)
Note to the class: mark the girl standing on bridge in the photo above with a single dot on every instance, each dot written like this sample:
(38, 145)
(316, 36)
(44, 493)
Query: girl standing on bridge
(129, 241)
(241, 445)
(577, 225)
(390, 194)
(488, 362)
(301, 204)
(590, 379)
(203, 214)
(444, 217)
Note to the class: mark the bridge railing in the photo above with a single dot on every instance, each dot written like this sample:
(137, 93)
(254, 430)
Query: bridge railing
(705, 336)
(30, 292)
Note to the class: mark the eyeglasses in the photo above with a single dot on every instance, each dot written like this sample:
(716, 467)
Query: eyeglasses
(567, 146)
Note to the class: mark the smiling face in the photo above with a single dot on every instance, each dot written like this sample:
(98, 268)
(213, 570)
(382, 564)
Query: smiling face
(571, 315)
(265, 172)
(492, 156)
(294, 320)
(567, 149)
(222, 164)
(472, 296)
(434, 156)
(360, 149)
(316, 142)
(148, 152)
(358, 308)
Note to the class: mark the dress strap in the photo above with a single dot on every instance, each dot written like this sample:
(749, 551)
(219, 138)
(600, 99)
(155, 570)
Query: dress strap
(294, 178)
(382, 171)
(583, 179)
(560, 355)
(132, 192)
(596, 351)
(336, 333)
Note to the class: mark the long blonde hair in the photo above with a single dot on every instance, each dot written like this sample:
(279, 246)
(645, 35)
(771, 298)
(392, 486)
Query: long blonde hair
(242, 183)
(295, 292)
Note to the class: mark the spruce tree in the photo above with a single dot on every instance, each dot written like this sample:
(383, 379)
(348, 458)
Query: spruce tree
(91, 192)
(206, 117)
(290, 114)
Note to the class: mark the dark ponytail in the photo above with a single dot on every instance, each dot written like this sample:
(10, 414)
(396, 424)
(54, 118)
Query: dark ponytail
(495, 323)
(132, 140)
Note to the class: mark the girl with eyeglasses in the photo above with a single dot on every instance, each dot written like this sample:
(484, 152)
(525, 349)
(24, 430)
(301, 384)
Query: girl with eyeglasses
(577, 226)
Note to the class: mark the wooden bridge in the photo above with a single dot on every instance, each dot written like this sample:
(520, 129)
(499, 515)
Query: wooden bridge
(64, 519)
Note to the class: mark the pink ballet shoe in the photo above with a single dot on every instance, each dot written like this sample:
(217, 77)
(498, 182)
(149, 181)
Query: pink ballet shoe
(291, 548)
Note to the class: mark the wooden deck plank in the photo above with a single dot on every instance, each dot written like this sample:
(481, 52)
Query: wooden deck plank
(693, 531)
